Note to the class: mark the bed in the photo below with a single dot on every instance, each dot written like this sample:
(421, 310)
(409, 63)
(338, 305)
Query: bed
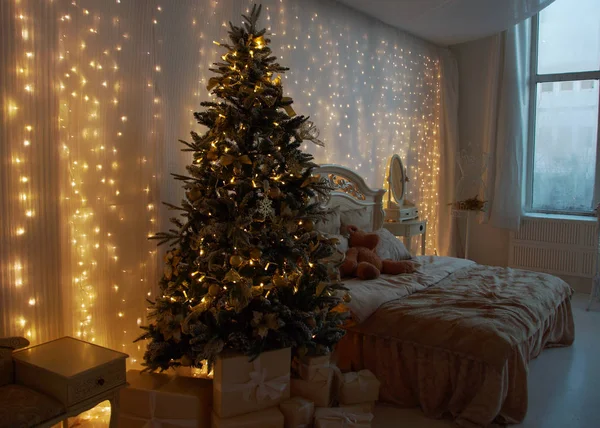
(455, 337)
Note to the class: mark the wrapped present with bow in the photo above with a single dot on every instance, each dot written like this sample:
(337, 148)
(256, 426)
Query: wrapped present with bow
(160, 400)
(366, 407)
(339, 417)
(358, 387)
(267, 418)
(243, 386)
(298, 412)
(319, 391)
(315, 369)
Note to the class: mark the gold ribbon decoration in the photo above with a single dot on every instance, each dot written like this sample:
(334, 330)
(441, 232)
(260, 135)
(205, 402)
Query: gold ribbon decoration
(228, 159)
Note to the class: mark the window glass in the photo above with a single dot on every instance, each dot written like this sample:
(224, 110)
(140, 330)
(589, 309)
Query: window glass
(569, 37)
(564, 164)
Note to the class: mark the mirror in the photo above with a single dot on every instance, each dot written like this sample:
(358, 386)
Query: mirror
(397, 179)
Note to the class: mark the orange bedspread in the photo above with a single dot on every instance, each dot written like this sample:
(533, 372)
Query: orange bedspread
(462, 346)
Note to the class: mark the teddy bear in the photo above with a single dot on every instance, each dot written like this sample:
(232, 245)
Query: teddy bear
(363, 262)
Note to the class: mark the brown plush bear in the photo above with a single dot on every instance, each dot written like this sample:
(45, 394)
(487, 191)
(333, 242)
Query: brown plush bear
(362, 261)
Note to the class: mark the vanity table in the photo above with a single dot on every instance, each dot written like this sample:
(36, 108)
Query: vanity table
(408, 229)
(401, 215)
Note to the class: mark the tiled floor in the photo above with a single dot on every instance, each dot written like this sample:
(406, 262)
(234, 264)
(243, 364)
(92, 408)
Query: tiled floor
(564, 384)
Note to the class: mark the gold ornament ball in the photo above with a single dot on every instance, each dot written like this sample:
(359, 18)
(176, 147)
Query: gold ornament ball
(308, 225)
(280, 281)
(347, 298)
(255, 254)
(274, 192)
(213, 290)
(236, 260)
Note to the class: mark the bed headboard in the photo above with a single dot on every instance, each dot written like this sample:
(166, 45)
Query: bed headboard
(351, 192)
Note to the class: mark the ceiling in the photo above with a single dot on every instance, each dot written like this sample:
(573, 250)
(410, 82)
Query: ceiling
(447, 22)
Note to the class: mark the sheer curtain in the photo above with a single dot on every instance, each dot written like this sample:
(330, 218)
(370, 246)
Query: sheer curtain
(508, 144)
(95, 96)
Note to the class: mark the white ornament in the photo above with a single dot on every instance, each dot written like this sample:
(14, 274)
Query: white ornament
(265, 207)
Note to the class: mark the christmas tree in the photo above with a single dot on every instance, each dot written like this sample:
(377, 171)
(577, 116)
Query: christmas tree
(246, 271)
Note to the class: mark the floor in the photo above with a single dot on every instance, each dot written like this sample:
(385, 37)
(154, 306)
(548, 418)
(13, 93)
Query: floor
(564, 384)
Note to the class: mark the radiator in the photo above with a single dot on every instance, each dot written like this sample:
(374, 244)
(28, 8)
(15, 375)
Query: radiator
(559, 247)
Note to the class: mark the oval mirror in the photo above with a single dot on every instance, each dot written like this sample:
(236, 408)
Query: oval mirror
(397, 179)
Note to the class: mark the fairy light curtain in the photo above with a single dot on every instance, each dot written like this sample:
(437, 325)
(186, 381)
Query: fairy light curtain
(95, 96)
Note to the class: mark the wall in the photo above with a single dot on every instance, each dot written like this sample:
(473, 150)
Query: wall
(371, 89)
(96, 94)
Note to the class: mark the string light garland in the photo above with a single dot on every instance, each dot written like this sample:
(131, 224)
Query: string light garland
(372, 92)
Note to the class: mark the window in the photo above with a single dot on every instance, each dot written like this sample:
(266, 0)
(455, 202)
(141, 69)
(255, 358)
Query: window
(563, 174)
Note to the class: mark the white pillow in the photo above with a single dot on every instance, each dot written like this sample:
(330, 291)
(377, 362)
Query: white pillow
(330, 224)
(360, 218)
(390, 247)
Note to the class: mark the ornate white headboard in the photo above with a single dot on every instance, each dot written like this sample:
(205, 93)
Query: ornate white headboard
(351, 192)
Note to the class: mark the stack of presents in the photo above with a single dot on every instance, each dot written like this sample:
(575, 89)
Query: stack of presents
(253, 394)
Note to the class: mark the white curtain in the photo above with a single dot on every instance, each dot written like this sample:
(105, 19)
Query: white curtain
(506, 178)
(493, 110)
(95, 95)
(447, 229)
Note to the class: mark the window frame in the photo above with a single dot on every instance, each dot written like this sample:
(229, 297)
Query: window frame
(534, 79)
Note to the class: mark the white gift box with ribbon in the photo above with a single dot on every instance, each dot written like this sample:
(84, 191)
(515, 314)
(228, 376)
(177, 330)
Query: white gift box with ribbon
(267, 418)
(298, 412)
(161, 401)
(315, 369)
(319, 392)
(358, 387)
(338, 417)
(242, 386)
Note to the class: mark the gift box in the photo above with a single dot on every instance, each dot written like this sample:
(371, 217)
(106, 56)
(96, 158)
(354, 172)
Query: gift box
(358, 387)
(298, 412)
(268, 418)
(319, 392)
(166, 401)
(243, 386)
(339, 417)
(315, 369)
(366, 407)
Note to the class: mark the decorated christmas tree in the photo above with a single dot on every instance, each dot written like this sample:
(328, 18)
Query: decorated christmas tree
(246, 270)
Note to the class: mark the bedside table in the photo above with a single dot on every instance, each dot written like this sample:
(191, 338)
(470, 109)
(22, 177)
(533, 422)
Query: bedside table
(78, 374)
(408, 229)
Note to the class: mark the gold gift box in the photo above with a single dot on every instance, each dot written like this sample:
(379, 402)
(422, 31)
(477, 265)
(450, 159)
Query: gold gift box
(358, 387)
(298, 412)
(267, 418)
(242, 386)
(168, 401)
